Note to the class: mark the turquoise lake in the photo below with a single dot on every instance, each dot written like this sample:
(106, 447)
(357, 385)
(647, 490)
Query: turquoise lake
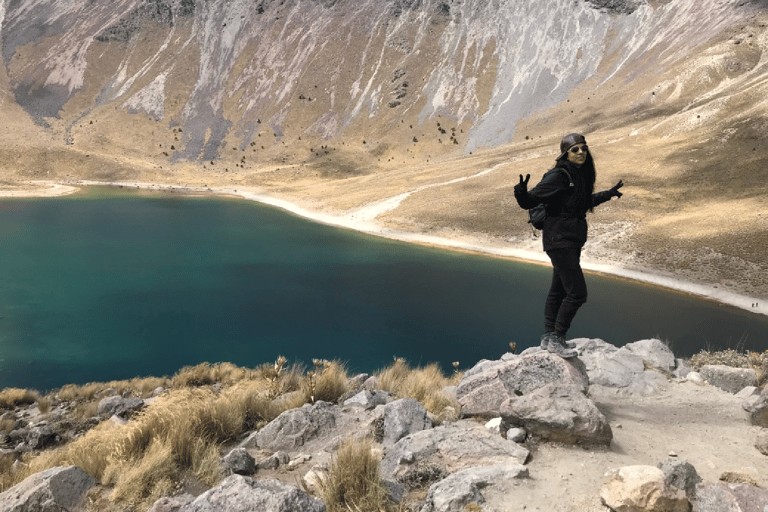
(113, 284)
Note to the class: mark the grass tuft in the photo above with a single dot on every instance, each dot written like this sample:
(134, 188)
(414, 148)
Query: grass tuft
(353, 482)
(327, 383)
(10, 398)
(422, 384)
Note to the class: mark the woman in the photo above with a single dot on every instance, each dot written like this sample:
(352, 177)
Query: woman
(567, 190)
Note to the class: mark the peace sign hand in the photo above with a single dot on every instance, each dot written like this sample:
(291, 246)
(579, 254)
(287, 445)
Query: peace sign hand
(523, 185)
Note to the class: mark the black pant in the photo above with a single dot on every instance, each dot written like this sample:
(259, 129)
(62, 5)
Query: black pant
(567, 292)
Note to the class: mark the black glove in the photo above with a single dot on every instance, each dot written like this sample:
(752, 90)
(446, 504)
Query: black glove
(615, 190)
(522, 187)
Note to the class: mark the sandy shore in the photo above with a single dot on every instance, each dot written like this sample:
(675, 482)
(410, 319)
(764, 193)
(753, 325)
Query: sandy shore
(364, 220)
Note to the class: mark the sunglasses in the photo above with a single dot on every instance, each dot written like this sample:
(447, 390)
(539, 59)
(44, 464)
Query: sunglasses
(579, 149)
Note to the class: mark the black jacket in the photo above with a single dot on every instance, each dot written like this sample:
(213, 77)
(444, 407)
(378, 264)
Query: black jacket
(567, 202)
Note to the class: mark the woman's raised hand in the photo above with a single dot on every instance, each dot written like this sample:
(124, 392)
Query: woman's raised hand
(523, 185)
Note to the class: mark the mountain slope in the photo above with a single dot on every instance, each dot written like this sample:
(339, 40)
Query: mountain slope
(340, 104)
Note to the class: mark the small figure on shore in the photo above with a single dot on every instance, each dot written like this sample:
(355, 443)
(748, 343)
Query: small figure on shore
(567, 190)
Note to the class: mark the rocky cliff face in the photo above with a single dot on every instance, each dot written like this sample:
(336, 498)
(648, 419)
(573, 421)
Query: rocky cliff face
(224, 72)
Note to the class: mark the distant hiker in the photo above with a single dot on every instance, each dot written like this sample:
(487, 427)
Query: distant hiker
(567, 190)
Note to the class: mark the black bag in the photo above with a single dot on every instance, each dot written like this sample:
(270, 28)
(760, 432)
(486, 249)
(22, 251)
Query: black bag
(538, 214)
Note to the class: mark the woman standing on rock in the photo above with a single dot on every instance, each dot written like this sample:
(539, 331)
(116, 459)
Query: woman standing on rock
(567, 190)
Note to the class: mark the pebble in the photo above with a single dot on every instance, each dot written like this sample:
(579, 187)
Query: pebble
(672, 454)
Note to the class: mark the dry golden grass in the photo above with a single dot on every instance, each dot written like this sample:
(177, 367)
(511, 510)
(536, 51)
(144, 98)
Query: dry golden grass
(182, 431)
(44, 405)
(10, 398)
(205, 374)
(139, 386)
(326, 383)
(422, 384)
(7, 424)
(353, 482)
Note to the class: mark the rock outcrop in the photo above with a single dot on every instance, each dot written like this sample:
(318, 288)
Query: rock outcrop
(558, 413)
(729, 379)
(457, 465)
(485, 387)
(642, 489)
(53, 490)
(243, 494)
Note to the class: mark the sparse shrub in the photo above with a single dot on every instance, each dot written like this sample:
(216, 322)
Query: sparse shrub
(422, 476)
(326, 383)
(44, 405)
(142, 481)
(353, 481)
(6, 470)
(422, 384)
(10, 398)
(205, 374)
(7, 424)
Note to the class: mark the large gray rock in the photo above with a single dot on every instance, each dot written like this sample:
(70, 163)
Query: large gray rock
(641, 489)
(296, 427)
(368, 399)
(624, 368)
(725, 497)
(243, 494)
(728, 378)
(239, 461)
(654, 353)
(403, 417)
(458, 490)
(482, 392)
(680, 474)
(758, 409)
(451, 448)
(761, 442)
(558, 413)
(53, 490)
(119, 406)
(171, 504)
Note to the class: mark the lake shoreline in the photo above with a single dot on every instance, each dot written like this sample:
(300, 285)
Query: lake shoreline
(42, 189)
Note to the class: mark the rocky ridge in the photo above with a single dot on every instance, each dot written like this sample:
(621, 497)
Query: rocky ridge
(514, 411)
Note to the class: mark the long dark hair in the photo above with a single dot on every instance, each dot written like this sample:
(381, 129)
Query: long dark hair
(583, 201)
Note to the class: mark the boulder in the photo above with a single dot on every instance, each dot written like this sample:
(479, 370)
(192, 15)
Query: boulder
(625, 368)
(53, 490)
(728, 378)
(761, 443)
(274, 461)
(641, 489)
(239, 493)
(450, 448)
(725, 497)
(238, 461)
(119, 406)
(680, 474)
(295, 427)
(654, 353)
(482, 392)
(172, 504)
(457, 491)
(758, 409)
(558, 413)
(368, 399)
(403, 417)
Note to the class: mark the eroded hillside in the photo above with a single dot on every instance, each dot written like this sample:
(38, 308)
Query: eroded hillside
(434, 105)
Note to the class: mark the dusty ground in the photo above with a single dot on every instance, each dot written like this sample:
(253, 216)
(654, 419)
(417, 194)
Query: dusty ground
(700, 424)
